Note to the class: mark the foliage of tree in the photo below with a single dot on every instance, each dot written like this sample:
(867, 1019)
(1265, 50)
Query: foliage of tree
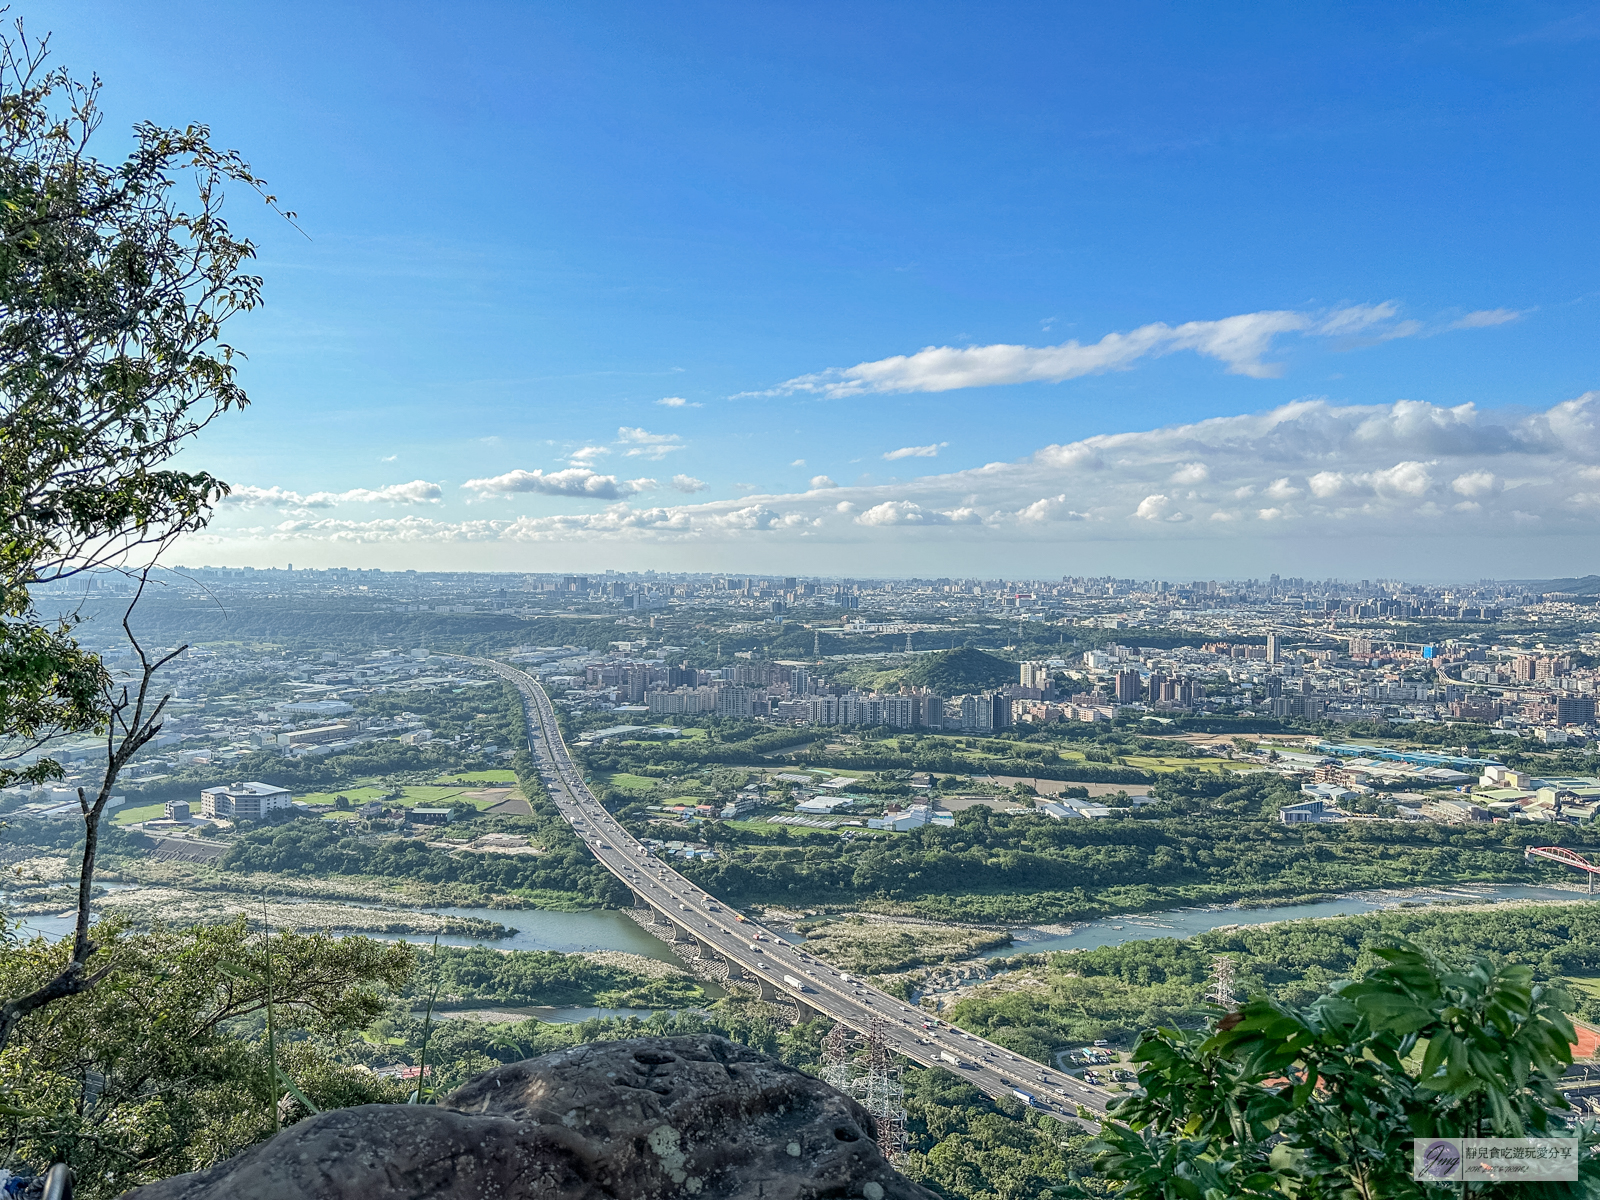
(530, 977)
(1323, 1101)
(156, 1071)
(114, 289)
(961, 1143)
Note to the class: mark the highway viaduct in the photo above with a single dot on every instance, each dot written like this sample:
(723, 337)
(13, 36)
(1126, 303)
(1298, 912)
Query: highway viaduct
(752, 953)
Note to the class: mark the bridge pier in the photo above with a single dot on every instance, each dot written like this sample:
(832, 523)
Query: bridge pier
(735, 971)
(768, 992)
(805, 1011)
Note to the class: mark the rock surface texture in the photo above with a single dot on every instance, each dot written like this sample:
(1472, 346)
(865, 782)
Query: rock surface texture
(636, 1120)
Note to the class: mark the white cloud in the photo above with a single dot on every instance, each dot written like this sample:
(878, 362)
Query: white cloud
(799, 462)
(677, 402)
(688, 484)
(917, 451)
(418, 491)
(585, 455)
(1239, 341)
(644, 444)
(1486, 318)
(904, 512)
(1403, 479)
(1050, 508)
(1312, 473)
(247, 496)
(1159, 508)
(1474, 483)
(574, 481)
(391, 458)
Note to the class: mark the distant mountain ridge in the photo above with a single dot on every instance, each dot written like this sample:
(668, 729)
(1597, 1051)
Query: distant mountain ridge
(1589, 585)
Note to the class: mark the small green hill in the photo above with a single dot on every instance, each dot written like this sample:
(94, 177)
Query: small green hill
(952, 672)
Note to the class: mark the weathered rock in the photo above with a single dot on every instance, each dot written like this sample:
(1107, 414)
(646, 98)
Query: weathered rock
(644, 1119)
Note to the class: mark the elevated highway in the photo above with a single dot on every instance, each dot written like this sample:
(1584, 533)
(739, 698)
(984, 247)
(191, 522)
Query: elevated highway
(755, 954)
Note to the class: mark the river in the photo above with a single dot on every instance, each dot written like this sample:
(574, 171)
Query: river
(536, 929)
(1186, 922)
(608, 929)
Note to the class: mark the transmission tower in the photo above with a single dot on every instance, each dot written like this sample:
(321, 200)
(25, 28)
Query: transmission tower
(816, 643)
(908, 643)
(837, 1046)
(1221, 991)
(883, 1094)
(874, 1083)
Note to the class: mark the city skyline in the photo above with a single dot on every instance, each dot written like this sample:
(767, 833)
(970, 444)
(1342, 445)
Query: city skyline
(893, 292)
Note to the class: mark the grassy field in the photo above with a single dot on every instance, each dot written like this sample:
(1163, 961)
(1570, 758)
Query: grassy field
(1149, 762)
(414, 794)
(479, 778)
(1584, 985)
(145, 812)
(629, 783)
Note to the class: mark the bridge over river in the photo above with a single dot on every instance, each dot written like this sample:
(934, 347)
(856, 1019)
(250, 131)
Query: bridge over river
(758, 956)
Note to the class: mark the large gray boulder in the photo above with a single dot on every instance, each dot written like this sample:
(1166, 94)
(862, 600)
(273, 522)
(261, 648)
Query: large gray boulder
(647, 1118)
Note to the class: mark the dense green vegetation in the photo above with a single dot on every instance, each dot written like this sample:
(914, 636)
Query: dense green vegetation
(160, 1068)
(1074, 752)
(1115, 991)
(309, 847)
(954, 672)
(1210, 840)
(1326, 1100)
(536, 978)
(963, 1144)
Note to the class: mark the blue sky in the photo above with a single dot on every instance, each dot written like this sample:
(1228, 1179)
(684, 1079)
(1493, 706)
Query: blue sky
(530, 224)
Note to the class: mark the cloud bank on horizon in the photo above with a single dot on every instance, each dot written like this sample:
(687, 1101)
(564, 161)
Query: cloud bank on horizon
(1309, 469)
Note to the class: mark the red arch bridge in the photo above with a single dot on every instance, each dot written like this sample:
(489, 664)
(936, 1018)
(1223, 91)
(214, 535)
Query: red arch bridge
(1566, 858)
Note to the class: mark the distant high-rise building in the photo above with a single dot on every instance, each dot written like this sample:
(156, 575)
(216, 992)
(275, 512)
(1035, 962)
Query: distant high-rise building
(1272, 648)
(1575, 710)
(1127, 687)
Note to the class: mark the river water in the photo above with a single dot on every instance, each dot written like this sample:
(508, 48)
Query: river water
(536, 929)
(1186, 922)
(607, 929)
